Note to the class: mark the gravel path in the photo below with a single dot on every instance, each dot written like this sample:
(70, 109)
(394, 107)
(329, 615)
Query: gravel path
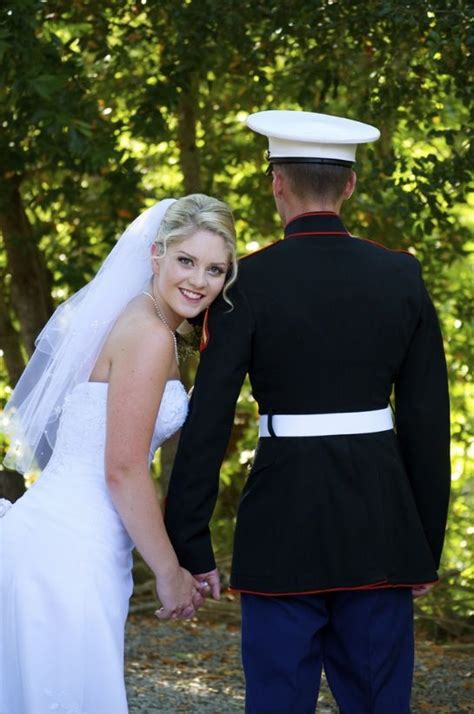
(194, 667)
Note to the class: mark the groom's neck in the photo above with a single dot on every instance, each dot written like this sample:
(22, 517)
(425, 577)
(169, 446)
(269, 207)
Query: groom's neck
(292, 207)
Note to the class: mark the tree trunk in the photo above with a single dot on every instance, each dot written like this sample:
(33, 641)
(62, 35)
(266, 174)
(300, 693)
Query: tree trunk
(188, 151)
(30, 281)
(10, 344)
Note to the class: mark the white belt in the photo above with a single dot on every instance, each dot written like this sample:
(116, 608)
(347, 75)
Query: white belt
(327, 424)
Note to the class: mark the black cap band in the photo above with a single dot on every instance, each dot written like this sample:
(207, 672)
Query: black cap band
(309, 160)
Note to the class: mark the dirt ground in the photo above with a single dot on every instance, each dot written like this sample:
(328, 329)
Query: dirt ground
(194, 666)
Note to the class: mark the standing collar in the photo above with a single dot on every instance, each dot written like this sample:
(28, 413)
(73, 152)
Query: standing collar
(316, 223)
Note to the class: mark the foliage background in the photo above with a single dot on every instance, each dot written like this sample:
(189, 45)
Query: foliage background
(107, 107)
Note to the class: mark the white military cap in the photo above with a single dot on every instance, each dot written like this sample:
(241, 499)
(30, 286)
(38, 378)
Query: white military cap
(307, 137)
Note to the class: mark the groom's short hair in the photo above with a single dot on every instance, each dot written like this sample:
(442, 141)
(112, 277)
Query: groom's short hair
(316, 181)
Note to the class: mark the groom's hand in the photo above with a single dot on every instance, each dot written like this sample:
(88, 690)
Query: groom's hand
(210, 583)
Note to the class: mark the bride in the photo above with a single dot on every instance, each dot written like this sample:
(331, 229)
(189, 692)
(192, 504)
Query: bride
(98, 397)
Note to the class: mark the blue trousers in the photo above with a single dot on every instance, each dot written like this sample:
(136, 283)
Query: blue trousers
(363, 639)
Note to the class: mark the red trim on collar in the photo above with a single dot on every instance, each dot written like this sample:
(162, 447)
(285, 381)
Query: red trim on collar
(317, 233)
(312, 213)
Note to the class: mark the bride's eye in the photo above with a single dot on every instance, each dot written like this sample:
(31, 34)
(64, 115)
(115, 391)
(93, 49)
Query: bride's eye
(185, 261)
(216, 270)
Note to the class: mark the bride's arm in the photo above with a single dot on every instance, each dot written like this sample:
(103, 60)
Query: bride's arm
(142, 355)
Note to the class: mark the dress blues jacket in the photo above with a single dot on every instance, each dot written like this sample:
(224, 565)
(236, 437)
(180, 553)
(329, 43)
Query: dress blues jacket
(323, 322)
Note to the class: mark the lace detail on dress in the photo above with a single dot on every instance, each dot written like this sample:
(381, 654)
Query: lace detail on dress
(172, 413)
(83, 422)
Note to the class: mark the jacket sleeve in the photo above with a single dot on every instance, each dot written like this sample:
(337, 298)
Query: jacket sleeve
(194, 479)
(422, 422)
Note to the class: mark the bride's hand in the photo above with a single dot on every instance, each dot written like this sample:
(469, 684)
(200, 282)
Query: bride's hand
(179, 595)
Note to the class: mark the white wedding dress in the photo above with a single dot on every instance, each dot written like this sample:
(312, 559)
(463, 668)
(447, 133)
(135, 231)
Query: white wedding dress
(65, 571)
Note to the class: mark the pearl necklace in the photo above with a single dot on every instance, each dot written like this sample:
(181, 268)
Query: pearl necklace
(164, 321)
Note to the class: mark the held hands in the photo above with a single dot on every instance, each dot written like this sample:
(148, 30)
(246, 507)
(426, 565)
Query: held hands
(179, 594)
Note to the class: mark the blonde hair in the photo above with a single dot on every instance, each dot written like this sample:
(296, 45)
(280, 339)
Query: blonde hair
(194, 213)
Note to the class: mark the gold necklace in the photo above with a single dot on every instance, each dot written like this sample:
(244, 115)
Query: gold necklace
(165, 322)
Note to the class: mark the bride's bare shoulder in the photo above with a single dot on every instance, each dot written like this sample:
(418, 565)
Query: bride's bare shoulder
(139, 323)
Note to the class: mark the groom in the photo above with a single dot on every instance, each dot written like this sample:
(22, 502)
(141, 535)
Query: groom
(342, 518)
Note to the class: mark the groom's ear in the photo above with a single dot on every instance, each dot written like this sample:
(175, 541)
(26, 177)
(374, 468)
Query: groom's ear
(277, 182)
(350, 186)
